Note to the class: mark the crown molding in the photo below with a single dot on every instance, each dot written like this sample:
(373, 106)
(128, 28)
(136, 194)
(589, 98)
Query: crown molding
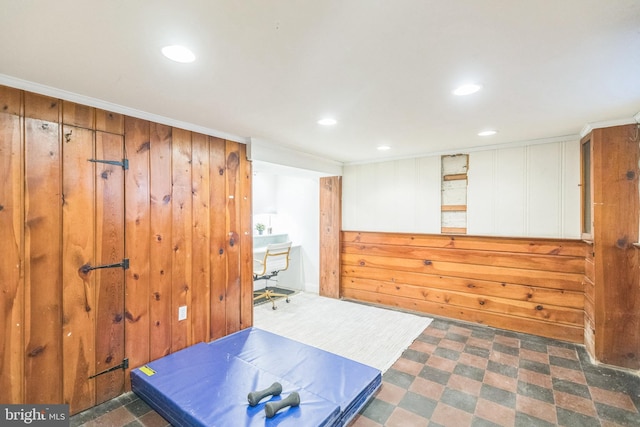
(116, 108)
(513, 144)
(608, 123)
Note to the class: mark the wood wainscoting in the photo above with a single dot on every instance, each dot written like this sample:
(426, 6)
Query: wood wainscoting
(526, 285)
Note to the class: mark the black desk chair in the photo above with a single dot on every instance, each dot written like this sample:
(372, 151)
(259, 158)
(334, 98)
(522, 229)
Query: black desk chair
(276, 259)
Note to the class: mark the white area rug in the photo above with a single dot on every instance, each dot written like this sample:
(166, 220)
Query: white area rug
(370, 335)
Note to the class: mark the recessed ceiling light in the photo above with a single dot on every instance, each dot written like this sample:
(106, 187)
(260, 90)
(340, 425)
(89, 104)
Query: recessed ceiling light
(383, 148)
(487, 132)
(327, 122)
(467, 89)
(178, 53)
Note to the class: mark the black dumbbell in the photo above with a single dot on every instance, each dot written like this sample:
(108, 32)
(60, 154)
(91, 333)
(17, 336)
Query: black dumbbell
(272, 407)
(256, 396)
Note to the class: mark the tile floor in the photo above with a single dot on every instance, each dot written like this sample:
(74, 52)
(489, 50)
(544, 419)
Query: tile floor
(458, 374)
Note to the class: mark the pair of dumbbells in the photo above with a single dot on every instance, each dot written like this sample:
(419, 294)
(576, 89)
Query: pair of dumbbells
(270, 408)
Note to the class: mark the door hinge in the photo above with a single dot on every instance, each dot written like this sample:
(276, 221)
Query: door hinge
(124, 164)
(124, 264)
(124, 365)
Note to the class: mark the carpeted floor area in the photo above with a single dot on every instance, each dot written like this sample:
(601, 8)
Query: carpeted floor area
(370, 335)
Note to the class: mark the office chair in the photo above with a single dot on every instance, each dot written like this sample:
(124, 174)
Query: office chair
(276, 259)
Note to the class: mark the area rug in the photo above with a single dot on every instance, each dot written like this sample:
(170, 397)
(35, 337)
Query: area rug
(370, 335)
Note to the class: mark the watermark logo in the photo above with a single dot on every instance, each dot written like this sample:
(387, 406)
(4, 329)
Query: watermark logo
(34, 415)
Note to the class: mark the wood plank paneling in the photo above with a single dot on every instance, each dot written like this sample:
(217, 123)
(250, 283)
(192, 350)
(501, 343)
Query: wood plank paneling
(107, 121)
(138, 241)
(160, 252)
(330, 225)
(233, 282)
(110, 283)
(201, 268)
(246, 240)
(181, 213)
(43, 271)
(78, 225)
(218, 209)
(507, 322)
(11, 247)
(518, 284)
(181, 217)
(616, 202)
(77, 115)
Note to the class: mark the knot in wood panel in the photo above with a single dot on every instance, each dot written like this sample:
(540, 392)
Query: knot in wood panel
(36, 351)
(427, 262)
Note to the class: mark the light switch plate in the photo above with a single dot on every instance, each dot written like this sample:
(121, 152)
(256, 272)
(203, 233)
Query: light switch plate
(182, 312)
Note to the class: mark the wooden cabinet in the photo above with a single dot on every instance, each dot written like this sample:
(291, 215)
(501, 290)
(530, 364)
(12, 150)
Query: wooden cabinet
(612, 280)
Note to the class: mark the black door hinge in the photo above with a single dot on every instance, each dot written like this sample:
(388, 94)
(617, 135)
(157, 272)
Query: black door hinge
(124, 365)
(124, 164)
(124, 264)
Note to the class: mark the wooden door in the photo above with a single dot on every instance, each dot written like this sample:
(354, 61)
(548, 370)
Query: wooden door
(93, 263)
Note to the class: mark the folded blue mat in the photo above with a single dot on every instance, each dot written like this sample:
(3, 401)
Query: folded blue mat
(207, 384)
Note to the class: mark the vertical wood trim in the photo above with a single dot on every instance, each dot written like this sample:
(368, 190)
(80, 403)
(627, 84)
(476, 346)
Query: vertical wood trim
(12, 247)
(79, 298)
(110, 283)
(201, 269)
(43, 223)
(246, 241)
(181, 238)
(160, 252)
(137, 239)
(616, 205)
(233, 240)
(330, 224)
(218, 226)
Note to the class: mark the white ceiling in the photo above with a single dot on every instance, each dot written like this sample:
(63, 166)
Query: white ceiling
(384, 69)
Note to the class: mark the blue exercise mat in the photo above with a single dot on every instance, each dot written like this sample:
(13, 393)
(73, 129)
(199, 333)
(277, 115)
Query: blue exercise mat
(207, 384)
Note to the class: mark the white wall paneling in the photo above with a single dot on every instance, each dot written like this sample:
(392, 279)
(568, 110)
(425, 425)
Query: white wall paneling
(398, 196)
(518, 191)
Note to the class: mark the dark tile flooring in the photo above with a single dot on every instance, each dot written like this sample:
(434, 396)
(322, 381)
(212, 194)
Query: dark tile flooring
(459, 374)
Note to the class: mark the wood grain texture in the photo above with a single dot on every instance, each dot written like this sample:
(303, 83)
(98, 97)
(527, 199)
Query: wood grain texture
(507, 284)
(218, 224)
(233, 240)
(110, 283)
(11, 247)
(107, 121)
(43, 271)
(201, 268)
(246, 240)
(330, 225)
(138, 241)
(188, 243)
(79, 298)
(181, 237)
(615, 156)
(77, 115)
(160, 251)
